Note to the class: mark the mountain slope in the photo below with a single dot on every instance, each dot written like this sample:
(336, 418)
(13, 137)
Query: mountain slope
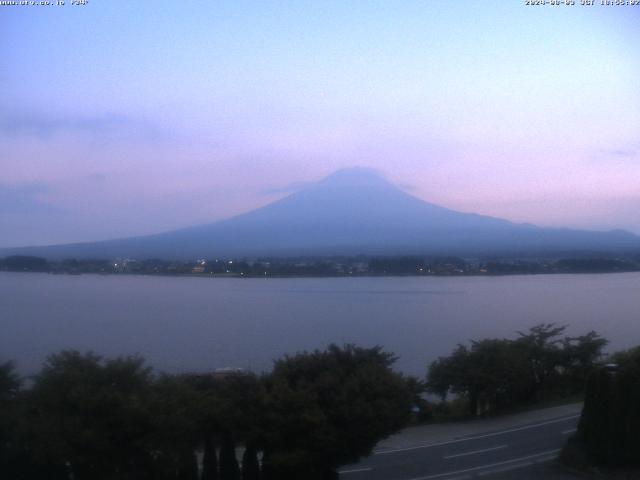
(350, 212)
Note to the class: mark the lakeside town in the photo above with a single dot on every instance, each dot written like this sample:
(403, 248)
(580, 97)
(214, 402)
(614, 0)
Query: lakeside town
(326, 266)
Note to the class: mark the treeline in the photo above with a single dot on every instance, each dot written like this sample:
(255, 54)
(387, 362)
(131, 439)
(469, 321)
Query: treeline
(330, 266)
(495, 374)
(89, 418)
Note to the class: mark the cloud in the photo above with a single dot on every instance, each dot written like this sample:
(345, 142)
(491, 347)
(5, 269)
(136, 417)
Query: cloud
(297, 186)
(44, 125)
(26, 199)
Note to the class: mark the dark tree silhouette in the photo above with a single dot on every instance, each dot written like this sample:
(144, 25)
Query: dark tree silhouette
(496, 373)
(89, 415)
(492, 374)
(329, 408)
(209, 460)
(229, 469)
(250, 465)
(610, 421)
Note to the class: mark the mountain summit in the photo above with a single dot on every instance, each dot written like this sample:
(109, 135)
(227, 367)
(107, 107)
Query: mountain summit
(355, 177)
(352, 211)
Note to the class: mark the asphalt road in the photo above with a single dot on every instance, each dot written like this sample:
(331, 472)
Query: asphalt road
(517, 451)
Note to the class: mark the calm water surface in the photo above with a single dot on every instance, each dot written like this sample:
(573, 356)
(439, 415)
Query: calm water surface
(195, 324)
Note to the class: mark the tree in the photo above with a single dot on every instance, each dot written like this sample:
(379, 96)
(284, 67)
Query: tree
(89, 415)
(491, 374)
(229, 469)
(451, 374)
(9, 447)
(497, 373)
(229, 409)
(209, 460)
(610, 422)
(544, 354)
(25, 263)
(580, 356)
(250, 465)
(240, 407)
(420, 406)
(187, 465)
(204, 418)
(329, 408)
(175, 408)
(9, 383)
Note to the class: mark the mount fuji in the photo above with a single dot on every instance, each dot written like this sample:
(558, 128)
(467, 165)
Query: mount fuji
(352, 211)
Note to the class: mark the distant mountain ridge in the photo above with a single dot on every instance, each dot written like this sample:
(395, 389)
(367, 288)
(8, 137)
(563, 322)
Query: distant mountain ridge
(352, 211)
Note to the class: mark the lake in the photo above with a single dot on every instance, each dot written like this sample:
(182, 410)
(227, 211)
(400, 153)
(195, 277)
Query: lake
(197, 324)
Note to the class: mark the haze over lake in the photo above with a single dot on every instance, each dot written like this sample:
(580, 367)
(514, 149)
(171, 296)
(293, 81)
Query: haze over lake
(198, 324)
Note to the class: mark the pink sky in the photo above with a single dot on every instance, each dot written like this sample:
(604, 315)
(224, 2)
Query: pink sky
(116, 120)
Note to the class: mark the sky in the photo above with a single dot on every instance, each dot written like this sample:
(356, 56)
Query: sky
(122, 118)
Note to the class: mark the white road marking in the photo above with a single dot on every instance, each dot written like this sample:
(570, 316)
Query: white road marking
(545, 459)
(467, 439)
(567, 432)
(490, 465)
(355, 470)
(499, 447)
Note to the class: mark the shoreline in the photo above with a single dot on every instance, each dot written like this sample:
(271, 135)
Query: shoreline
(288, 276)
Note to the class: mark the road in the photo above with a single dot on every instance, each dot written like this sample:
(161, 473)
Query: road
(519, 446)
